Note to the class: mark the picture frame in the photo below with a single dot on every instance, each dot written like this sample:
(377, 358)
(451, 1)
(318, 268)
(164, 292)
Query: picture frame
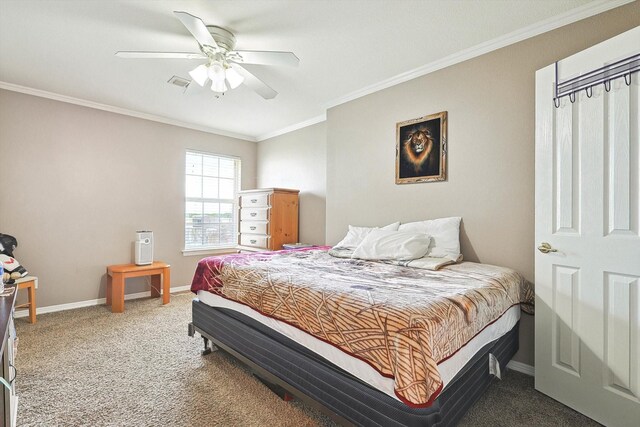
(421, 149)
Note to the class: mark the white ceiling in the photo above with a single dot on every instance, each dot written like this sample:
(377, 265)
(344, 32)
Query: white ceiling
(67, 48)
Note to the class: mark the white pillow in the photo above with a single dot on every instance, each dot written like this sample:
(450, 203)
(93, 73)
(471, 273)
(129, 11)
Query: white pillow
(445, 236)
(397, 245)
(356, 235)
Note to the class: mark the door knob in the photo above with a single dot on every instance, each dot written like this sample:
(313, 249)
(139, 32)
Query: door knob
(545, 248)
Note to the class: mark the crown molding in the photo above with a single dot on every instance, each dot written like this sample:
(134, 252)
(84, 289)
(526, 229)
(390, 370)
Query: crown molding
(574, 15)
(291, 128)
(118, 110)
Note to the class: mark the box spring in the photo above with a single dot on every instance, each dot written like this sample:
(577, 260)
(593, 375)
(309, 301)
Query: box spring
(340, 395)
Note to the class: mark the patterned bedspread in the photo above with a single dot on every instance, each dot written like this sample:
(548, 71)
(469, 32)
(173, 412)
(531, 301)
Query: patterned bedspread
(400, 320)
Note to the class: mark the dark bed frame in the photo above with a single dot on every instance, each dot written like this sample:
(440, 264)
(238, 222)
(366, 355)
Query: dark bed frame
(288, 368)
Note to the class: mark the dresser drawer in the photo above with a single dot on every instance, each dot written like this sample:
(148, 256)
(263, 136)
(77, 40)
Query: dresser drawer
(255, 241)
(254, 214)
(257, 200)
(252, 227)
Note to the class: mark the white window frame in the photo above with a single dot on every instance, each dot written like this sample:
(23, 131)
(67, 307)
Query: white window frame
(211, 249)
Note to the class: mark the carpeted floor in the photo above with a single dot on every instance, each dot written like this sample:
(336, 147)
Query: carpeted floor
(89, 367)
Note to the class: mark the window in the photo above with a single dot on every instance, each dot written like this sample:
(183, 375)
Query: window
(211, 185)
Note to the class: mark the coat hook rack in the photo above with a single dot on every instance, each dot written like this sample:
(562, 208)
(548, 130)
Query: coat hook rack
(603, 75)
(589, 91)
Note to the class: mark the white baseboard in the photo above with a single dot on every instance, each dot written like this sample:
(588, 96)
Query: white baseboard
(521, 367)
(92, 302)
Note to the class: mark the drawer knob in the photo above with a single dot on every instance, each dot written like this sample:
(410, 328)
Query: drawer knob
(253, 213)
(253, 227)
(253, 241)
(254, 200)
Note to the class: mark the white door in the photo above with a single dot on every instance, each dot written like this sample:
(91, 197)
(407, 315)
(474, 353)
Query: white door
(587, 347)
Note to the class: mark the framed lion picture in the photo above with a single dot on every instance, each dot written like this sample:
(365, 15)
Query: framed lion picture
(421, 149)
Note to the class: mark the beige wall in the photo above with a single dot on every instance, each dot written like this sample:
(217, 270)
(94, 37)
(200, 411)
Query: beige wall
(490, 183)
(298, 160)
(78, 182)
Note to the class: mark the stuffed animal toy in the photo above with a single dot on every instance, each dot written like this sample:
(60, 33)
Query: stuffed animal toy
(12, 268)
(7, 244)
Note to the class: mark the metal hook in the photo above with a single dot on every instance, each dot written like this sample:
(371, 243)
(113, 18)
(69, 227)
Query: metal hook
(589, 91)
(607, 85)
(556, 102)
(572, 97)
(628, 82)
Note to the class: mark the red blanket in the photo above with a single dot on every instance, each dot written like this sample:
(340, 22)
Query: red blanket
(400, 320)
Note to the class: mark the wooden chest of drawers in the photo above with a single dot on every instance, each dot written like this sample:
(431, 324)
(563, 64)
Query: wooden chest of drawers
(268, 218)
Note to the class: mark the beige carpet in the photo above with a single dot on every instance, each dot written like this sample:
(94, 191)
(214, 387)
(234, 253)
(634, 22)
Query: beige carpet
(89, 367)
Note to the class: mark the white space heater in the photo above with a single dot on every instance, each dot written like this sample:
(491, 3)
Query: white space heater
(144, 247)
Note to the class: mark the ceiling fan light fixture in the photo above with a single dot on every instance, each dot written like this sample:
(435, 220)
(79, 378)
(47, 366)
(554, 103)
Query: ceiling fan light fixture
(199, 74)
(223, 63)
(215, 71)
(234, 78)
(219, 87)
(217, 76)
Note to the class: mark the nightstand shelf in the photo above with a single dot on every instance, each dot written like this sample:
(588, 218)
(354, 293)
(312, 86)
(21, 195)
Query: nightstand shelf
(117, 275)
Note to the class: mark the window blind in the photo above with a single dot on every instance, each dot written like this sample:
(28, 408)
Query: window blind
(211, 186)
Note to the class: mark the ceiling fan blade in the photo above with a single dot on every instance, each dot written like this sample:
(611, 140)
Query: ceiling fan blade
(255, 83)
(197, 29)
(268, 58)
(159, 55)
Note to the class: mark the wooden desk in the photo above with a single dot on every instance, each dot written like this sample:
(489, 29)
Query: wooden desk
(117, 274)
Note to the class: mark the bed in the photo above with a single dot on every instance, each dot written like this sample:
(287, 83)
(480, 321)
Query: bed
(370, 343)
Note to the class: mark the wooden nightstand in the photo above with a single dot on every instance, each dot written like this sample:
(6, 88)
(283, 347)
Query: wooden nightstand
(30, 283)
(117, 274)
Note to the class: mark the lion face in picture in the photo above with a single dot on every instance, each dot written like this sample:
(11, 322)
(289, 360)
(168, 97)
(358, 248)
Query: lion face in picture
(417, 147)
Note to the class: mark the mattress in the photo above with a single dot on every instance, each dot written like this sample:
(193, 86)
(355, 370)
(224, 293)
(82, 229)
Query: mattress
(339, 394)
(403, 322)
(448, 369)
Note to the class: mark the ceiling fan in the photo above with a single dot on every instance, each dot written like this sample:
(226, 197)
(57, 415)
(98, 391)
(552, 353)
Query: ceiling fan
(222, 66)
